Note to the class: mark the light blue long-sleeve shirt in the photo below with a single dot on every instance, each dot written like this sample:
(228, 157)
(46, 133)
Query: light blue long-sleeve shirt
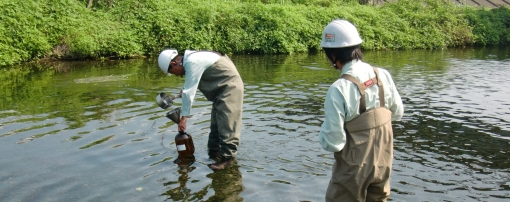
(194, 66)
(342, 102)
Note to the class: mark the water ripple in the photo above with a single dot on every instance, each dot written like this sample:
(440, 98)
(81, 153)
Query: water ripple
(451, 145)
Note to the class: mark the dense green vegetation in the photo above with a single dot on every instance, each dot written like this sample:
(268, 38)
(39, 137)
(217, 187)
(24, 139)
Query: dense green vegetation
(130, 28)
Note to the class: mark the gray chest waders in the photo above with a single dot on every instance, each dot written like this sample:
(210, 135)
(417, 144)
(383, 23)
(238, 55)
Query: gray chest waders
(222, 84)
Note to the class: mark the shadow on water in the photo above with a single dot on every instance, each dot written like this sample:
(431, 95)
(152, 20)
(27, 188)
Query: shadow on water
(80, 131)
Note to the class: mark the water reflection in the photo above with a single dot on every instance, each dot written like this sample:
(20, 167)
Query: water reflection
(181, 192)
(184, 161)
(84, 130)
(226, 185)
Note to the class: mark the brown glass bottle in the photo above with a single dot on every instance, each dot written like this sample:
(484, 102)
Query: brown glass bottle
(184, 144)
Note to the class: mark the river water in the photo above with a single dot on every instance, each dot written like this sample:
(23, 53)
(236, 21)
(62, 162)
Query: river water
(91, 131)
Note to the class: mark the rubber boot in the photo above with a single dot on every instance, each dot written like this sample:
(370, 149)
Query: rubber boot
(214, 155)
(222, 164)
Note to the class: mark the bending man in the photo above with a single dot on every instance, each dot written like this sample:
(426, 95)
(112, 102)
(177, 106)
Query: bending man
(217, 78)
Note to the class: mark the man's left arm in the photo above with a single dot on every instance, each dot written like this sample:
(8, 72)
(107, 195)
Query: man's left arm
(395, 104)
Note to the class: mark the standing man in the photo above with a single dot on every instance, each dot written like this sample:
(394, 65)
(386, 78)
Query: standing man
(217, 78)
(359, 108)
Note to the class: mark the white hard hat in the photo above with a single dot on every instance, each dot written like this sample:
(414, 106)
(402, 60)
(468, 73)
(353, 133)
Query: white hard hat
(165, 57)
(340, 33)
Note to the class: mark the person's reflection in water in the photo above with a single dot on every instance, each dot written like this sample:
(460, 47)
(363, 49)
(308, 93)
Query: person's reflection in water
(227, 184)
(181, 192)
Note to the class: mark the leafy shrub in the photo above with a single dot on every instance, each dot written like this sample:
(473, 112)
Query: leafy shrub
(490, 27)
(131, 28)
(20, 36)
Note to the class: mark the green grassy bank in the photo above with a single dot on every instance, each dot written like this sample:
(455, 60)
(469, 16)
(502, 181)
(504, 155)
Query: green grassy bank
(67, 29)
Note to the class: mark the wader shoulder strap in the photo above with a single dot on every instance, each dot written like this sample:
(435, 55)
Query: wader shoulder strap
(363, 86)
(361, 89)
(381, 89)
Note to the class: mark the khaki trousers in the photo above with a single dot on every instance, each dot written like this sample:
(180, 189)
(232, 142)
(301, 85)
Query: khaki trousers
(222, 85)
(362, 169)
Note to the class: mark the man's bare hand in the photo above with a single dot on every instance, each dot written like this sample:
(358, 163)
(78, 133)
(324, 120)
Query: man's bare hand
(182, 124)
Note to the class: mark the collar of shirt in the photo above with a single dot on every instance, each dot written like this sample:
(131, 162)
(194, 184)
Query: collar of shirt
(185, 55)
(347, 68)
